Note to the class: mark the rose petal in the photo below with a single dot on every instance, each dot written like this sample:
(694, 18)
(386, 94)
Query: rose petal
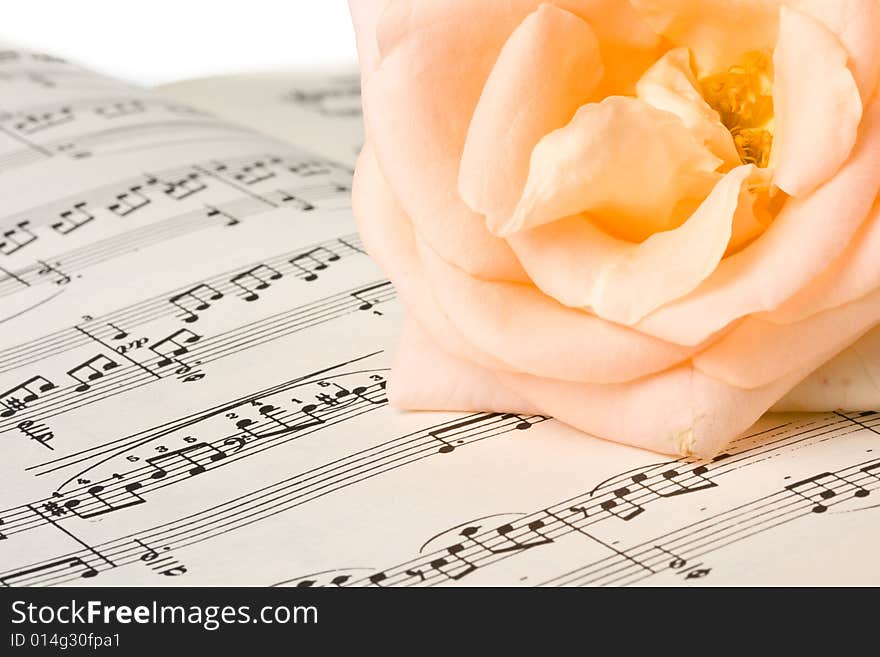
(607, 152)
(624, 37)
(546, 70)
(856, 23)
(388, 237)
(453, 385)
(756, 352)
(670, 85)
(816, 103)
(679, 411)
(850, 380)
(855, 273)
(718, 32)
(365, 16)
(531, 332)
(806, 235)
(419, 140)
(581, 266)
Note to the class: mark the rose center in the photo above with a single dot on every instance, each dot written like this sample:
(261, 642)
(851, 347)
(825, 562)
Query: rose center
(743, 96)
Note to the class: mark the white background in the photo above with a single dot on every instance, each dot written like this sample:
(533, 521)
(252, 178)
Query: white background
(155, 41)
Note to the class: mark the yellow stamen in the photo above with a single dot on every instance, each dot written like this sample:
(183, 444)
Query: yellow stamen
(743, 97)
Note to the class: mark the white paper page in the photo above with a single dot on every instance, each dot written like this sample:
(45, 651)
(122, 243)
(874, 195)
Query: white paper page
(283, 104)
(193, 354)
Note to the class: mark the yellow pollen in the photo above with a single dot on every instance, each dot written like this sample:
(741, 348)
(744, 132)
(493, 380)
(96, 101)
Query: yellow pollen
(743, 97)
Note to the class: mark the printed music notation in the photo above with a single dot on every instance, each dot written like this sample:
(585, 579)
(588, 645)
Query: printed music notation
(194, 360)
(339, 96)
(151, 199)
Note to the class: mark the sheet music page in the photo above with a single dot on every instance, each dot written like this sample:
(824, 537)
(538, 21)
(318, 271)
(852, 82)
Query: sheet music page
(317, 111)
(193, 355)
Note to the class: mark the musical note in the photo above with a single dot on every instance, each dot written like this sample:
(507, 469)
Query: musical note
(120, 108)
(149, 553)
(271, 413)
(129, 201)
(680, 565)
(687, 481)
(36, 431)
(47, 269)
(455, 568)
(819, 489)
(93, 369)
(16, 238)
(215, 212)
(187, 455)
(443, 434)
(174, 346)
(872, 469)
(106, 503)
(361, 393)
(17, 398)
(184, 187)
(319, 579)
(120, 334)
(309, 168)
(620, 506)
(63, 566)
(74, 219)
(509, 542)
(311, 261)
(289, 199)
(377, 578)
(523, 423)
(251, 174)
(200, 296)
(255, 278)
(33, 123)
(367, 298)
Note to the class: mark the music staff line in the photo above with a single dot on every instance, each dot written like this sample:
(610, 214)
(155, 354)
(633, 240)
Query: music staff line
(123, 323)
(484, 424)
(90, 143)
(294, 491)
(728, 527)
(163, 469)
(134, 195)
(185, 532)
(36, 118)
(124, 377)
(576, 514)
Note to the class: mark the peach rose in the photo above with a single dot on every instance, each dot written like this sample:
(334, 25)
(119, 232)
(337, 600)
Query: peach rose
(651, 220)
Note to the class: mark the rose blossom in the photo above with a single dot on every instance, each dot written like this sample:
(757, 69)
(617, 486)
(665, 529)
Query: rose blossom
(651, 220)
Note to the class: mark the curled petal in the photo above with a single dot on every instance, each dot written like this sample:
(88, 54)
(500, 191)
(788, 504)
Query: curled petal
(816, 103)
(606, 152)
(670, 85)
(856, 23)
(547, 69)
(581, 266)
(806, 235)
